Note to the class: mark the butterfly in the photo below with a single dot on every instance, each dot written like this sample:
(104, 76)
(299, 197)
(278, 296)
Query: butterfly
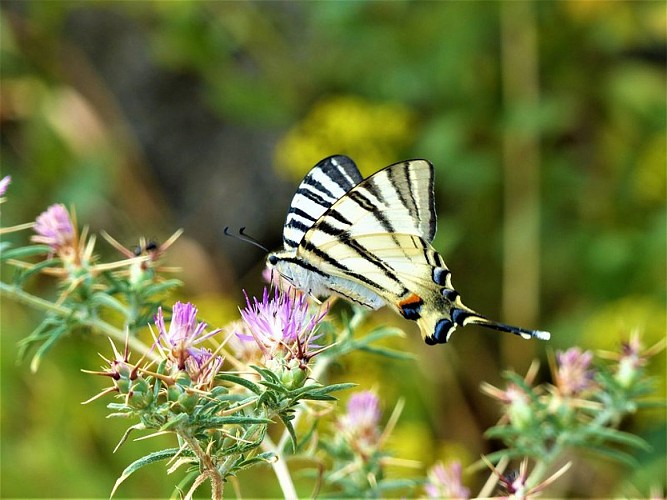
(369, 241)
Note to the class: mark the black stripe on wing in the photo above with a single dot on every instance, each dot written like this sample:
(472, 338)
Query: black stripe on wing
(326, 182)
(325, 257)
(414, 188)
(356, 250)
(365, 203)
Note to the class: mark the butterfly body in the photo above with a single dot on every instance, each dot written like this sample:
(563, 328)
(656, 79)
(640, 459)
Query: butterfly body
(369, 241)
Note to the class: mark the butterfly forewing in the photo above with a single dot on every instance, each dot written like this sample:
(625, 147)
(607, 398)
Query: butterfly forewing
(396, 200)
(326, 182)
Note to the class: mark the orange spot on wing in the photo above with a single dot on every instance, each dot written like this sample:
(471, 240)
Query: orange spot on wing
(410, 307)
(412, 299)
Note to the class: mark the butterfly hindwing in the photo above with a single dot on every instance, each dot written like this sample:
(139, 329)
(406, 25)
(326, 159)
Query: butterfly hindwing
(409, 275)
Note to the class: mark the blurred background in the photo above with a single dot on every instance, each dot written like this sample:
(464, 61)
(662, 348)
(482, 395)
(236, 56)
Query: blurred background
(545, 122)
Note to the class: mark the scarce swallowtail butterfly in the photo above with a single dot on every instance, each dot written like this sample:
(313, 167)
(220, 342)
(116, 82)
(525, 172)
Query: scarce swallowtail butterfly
(369, 241)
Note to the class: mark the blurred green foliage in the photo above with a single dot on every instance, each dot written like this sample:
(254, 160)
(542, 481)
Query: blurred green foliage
(413, 79)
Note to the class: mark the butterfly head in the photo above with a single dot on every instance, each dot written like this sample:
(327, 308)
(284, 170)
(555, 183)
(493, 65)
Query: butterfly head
(274, 263)
(272, 260)
(285, 266)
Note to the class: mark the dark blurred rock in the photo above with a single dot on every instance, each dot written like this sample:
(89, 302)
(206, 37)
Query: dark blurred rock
(212, 173)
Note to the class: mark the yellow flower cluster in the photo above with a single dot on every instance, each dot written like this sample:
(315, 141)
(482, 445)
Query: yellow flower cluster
(373, 135)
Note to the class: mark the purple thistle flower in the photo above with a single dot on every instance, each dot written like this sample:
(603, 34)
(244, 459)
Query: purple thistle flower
(363, 410)
(54, 228)
(573, 375)
(282, 324)
(241, 342)
(4, 183)
(360, 425)
(183, 334)
(444, 481)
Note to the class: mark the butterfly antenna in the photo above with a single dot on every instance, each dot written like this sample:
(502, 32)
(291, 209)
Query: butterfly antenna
(244, 237)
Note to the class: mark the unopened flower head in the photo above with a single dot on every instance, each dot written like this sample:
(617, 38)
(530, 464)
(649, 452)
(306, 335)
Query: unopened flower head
(120, 370)
(630, 361)
(54, 228)
(144, 258)
(573, 375)
(202, 366)
(183, 334)
(514, 483)
(360, 425)
(517, 403)
(126, 380)
(283, 325)
(4, 183)
(444, 481)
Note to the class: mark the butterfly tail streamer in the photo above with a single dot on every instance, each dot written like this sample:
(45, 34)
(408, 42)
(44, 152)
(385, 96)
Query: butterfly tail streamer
(438, 326)
(502, 327)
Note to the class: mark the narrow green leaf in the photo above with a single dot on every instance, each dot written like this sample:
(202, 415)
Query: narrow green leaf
(380, 333)
(318, 397)
(318, 392)
(175, 422)
(612, 454)
(23, 252)
(24, 274)
(251, 386)
(112, 303)
(290, 430)
(275, 386)
(117, 406)
(395, 484)
(651, 403)
(143, 461)
(620, 437)
(494, 458)
(36, 335)
(54, 335)
(306, 438)
(267, 374)
(388, 353)
(215, 422)
(503, 432)
(267, 456)
(158, 288)
(185, 483)
(127, 434)
(337, 387)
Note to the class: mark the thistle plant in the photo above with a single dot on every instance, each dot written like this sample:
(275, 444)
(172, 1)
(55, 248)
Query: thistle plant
(225, 392)
(580, 410)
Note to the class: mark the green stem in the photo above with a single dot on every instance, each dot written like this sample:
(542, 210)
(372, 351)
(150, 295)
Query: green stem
(94, 324)
(540, 469)
(279, 467)
(280, 470)
(217, 483)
